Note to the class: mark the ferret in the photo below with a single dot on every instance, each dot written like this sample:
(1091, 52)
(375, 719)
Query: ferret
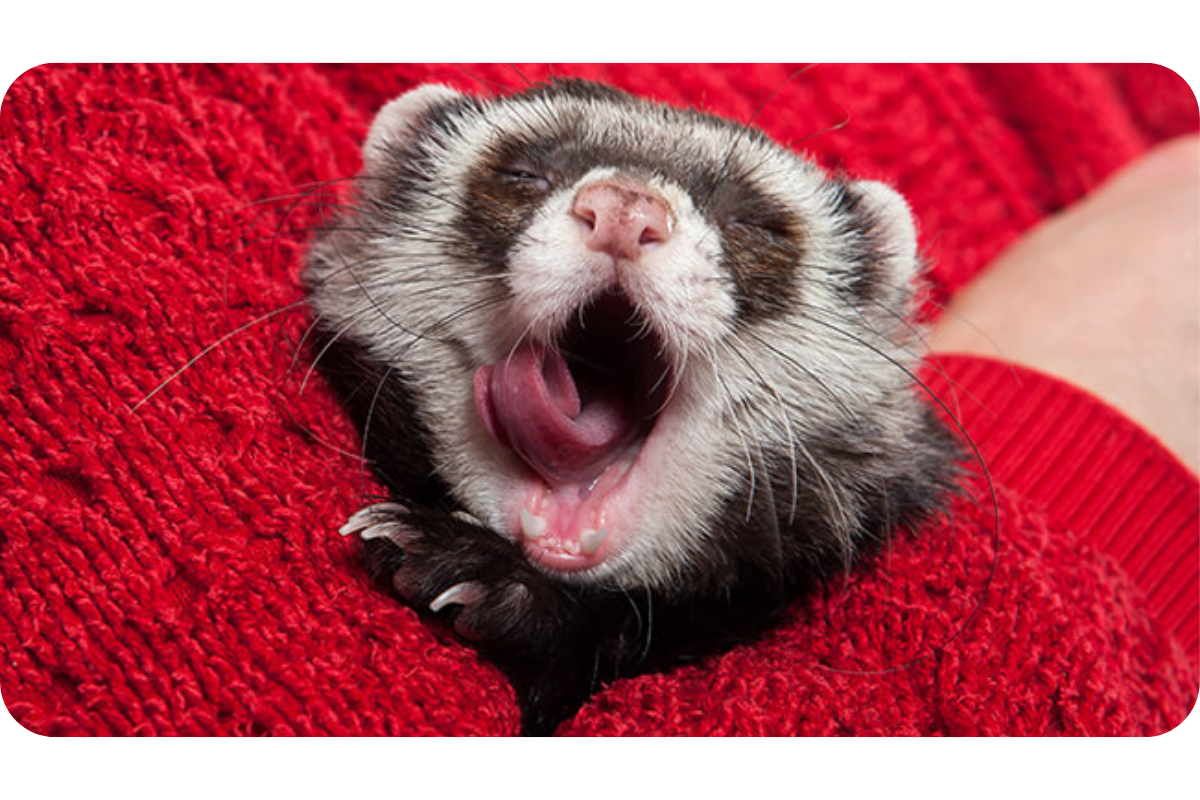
(633, 376)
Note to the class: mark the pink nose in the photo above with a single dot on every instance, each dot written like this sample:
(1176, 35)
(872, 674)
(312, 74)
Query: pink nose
(621, 219)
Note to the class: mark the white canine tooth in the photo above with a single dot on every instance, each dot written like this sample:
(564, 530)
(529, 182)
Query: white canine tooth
(532, 526)
(591, 540)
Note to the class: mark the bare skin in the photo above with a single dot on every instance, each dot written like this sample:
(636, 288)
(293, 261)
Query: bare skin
(1105, 295)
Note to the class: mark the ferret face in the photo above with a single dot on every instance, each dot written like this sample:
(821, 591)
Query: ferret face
(628, 332)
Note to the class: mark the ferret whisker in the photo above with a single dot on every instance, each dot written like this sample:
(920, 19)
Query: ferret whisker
(969, 620)
(441, 285)
(676, 379)
(308, 200)
(295, 200)
(366, 434)
(307, 189)
(241, 328)
(661, 377)
(350, 323)
(423, 236)
(272, 253)
(728, 398)
(416, 335)
(468, 280)
(312, 326)
(448, 197)
(815, 378)
(859, 323)
(645, 624)
(971, 443)
(521, 75)
(837, 126)
(287, 411)
(253, 241)
(477, 305)
(843, 527)
(378, 277)
(731, 347)
(517, 345)
(649, 625)
(914, 330)
(365, 288)
(778, 87)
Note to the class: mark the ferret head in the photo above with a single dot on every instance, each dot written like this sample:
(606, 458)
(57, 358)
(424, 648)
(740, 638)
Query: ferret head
(644, 342)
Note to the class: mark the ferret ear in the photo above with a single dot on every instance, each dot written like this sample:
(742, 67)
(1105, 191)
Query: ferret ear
(887, 218)
(397, 121)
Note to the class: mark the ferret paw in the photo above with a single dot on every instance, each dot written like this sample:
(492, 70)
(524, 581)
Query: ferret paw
(449, 565)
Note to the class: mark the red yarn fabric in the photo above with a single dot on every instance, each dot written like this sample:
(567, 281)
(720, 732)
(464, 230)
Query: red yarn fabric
(172, 566)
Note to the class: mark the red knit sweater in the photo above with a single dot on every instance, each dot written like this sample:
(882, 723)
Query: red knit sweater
(176, 569)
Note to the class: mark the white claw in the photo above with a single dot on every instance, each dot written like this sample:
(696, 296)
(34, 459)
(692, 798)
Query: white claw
(591, 540)
(371, 515)
(383, 529)
(532, 526)
(460, 593)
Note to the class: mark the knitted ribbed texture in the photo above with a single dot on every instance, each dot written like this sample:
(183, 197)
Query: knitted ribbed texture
(1093, 471)
(175, 569)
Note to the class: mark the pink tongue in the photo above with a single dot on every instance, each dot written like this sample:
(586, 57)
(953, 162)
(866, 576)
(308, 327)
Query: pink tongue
(531, 403)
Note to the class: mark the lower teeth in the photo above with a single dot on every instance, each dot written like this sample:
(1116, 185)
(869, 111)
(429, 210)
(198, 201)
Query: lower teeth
(532, 526)
(591, 540)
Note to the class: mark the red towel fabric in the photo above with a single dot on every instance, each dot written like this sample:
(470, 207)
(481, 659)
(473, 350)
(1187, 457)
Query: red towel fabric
(172, 566)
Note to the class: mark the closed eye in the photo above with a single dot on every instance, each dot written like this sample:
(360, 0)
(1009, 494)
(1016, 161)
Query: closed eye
(528, 178)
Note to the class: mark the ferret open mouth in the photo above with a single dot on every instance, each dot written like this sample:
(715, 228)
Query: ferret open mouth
(578, 415)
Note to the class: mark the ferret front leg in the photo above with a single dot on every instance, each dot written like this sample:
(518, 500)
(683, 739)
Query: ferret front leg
(454, 568)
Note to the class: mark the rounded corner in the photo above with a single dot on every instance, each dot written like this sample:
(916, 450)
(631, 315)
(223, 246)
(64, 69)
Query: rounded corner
(11, 82)
(23, 726)
(1189, 726)
(1179, 74)
(25, 74)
